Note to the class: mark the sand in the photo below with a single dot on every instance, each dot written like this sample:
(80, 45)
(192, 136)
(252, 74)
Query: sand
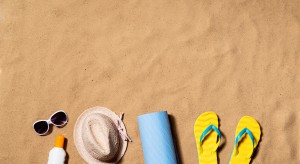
(235, 58)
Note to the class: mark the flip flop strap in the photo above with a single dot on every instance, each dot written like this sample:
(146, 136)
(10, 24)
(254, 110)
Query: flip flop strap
(240, 136)
(207, 131)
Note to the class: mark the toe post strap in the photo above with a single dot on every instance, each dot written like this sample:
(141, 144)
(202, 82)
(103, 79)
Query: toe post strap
(241, 135)
(209, 129)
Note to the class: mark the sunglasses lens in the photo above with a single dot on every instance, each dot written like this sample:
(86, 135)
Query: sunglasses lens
(41, 127)
(59, 118)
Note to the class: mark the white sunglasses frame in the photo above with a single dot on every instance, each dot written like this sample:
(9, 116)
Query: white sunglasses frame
(49, 122)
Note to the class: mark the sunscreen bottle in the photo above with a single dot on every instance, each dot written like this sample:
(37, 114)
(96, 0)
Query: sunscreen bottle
(57, 154)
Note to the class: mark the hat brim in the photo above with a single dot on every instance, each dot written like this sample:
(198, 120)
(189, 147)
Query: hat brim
(78, 135)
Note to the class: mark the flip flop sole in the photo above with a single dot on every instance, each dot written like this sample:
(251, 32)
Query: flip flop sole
(245, 146)
(209, 145)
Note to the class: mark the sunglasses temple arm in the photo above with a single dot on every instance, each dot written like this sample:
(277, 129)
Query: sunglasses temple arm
(121, 115)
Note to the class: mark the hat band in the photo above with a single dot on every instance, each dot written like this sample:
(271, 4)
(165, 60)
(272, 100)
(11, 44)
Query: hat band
(123, 134)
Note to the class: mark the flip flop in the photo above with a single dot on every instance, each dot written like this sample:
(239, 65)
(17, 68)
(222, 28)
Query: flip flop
(207, 137)
(247, 136)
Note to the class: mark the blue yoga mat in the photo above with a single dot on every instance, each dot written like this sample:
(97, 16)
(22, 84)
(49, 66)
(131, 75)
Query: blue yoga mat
(157, 142)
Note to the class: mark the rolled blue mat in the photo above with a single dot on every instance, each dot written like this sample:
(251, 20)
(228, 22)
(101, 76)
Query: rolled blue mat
(156, 136)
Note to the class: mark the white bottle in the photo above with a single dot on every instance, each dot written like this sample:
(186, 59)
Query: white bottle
(57, 154)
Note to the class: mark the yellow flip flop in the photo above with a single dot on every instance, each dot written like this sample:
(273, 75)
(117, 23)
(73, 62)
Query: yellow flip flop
(207, 137)
(247, 136)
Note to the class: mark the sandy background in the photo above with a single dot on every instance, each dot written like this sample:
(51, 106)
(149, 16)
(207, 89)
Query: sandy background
(235, 58)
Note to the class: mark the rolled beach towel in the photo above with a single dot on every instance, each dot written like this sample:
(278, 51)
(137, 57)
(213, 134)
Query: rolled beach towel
(156, 136)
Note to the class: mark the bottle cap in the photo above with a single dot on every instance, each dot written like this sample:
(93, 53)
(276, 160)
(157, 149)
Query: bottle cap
(59, 141)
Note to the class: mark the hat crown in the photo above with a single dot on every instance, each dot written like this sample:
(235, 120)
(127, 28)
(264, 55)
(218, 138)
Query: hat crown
(100, 137)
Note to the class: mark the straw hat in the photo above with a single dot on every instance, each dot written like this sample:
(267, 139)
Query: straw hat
(100, 136)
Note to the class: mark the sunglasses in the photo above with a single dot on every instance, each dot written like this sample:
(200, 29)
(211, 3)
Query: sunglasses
(58, 119)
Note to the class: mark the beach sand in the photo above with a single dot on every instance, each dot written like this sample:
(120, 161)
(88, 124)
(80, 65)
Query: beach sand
(235, 58)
